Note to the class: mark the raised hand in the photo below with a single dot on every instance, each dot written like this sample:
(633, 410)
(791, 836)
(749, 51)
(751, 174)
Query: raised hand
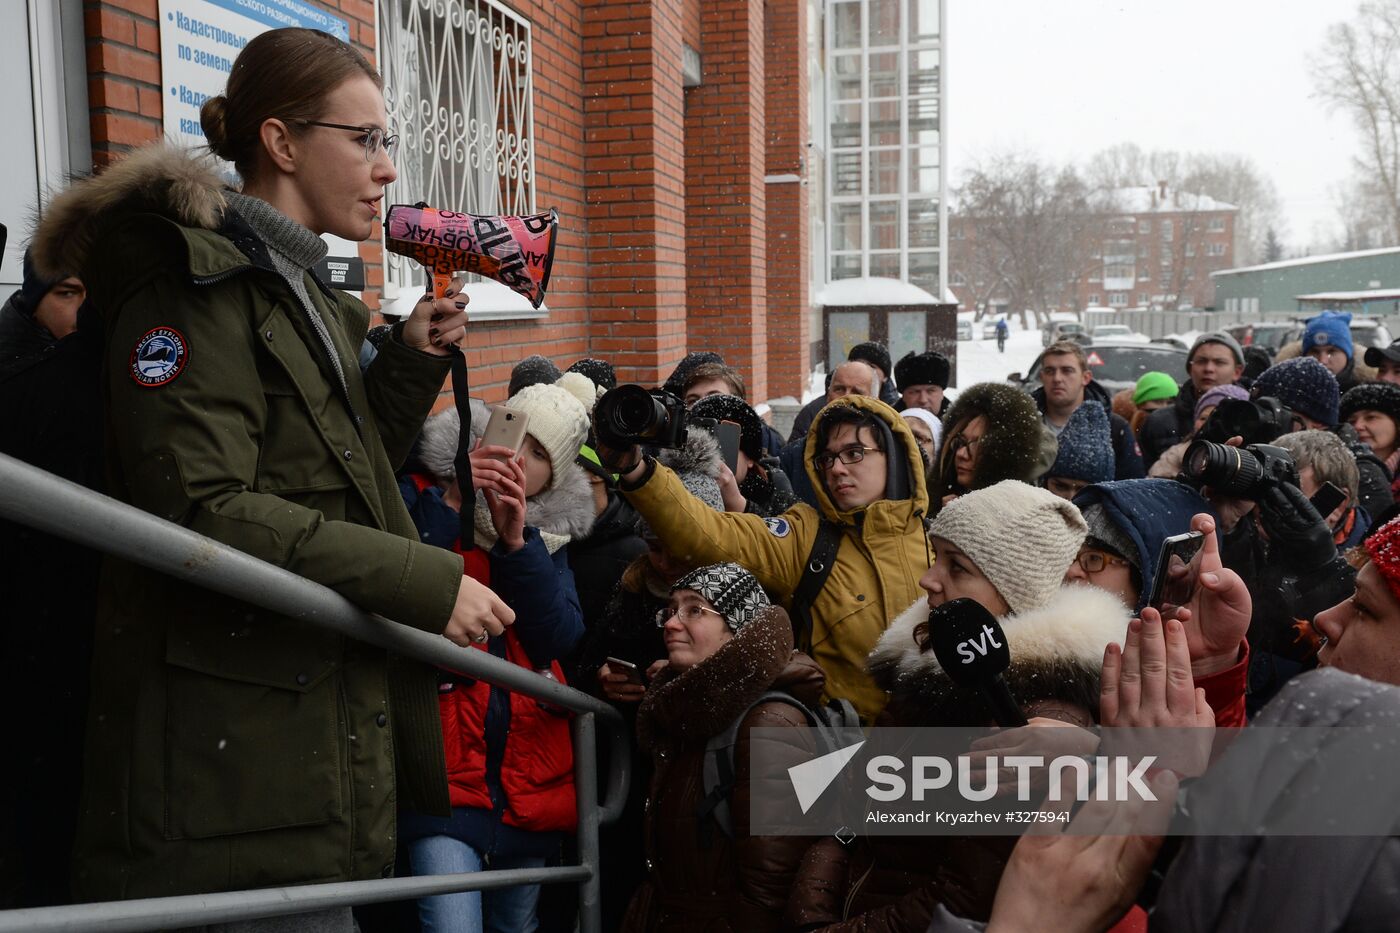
(1216, 618)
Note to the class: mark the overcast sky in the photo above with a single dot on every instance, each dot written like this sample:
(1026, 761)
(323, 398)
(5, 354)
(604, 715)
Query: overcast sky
(1066, 79)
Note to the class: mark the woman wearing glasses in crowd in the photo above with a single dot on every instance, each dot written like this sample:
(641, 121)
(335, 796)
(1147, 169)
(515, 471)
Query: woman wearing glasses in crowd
(992, 432)
(237, 747)
(726, 647)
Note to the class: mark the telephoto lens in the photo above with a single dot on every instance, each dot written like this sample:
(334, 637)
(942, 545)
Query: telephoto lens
(630, 415)
(1238, 472)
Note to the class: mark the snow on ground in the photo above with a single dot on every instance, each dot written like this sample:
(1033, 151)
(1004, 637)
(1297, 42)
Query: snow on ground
(979, 361)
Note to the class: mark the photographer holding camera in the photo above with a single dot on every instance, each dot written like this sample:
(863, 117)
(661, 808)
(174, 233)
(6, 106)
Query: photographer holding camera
(853, 561)
(1275, 537)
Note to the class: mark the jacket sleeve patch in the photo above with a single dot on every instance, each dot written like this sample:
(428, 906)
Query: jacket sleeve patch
(159, 357)
(778, 527)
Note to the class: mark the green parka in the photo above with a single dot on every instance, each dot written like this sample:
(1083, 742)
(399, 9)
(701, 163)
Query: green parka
(883, 552)
(229, 747)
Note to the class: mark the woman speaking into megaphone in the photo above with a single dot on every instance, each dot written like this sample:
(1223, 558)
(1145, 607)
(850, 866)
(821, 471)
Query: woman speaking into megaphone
(234, 748)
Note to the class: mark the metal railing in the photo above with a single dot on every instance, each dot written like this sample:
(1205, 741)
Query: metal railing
(48, 503)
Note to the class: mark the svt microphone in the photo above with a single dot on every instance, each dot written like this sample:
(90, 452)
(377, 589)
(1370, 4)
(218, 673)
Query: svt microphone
(971, 647)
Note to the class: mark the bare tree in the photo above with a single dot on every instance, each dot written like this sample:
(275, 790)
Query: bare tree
(1358, 69)
(1031, 229)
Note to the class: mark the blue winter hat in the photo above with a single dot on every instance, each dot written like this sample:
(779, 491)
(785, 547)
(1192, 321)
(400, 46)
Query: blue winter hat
(1330, 328)
(1304, 385)
(1086, 449)
(1146, 512)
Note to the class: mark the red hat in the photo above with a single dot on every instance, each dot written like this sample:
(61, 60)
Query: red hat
(1384, 548)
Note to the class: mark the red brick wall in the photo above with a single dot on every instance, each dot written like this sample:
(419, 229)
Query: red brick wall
(725, 137)
(789, 248)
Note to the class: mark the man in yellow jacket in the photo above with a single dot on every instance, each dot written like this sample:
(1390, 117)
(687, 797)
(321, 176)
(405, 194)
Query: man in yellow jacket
(864, 464)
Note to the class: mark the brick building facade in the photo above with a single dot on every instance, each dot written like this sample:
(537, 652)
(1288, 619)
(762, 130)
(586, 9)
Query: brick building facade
(1141, 247)
(671, 236)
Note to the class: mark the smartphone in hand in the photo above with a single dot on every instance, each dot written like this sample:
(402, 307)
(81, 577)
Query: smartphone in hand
(507, 428)
(634, 673)
(727, 433)
(1178, 569)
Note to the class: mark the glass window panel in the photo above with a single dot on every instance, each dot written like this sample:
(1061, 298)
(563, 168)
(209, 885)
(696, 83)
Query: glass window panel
(845, 173)
(884, 123)
(884, 225)
(845, 77)
(845, 227)
(923, 223)
(845, 267)
(923, 20)
(884, 171)
(923, 170)
(885, 265)
(845, 329)
(884, 74)
(923, 72)
(884, 22)
(845, 23)
(923, 121)
(923, 271)
(908, 331)
(845, 125)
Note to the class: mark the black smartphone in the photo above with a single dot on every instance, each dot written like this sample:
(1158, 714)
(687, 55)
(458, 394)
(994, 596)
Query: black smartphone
(1178, 567)
(1328, 496)
(634, 673)
(727, 433)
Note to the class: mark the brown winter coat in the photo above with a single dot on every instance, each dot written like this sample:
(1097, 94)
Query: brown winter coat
(738, 884)
(893, 884)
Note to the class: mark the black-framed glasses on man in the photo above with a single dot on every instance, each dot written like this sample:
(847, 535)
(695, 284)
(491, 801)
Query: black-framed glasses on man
(847, 455)
(375, 137)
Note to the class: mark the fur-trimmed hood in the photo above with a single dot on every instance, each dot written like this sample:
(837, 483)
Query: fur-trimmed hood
(1056, 656)
(158, 178)
(1009, 448)
(695, 704)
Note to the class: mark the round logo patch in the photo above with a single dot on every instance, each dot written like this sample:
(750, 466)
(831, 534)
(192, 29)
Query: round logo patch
(778, 527)
(159, 356)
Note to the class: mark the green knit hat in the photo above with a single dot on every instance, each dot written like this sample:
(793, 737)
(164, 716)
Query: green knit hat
(1152, 387)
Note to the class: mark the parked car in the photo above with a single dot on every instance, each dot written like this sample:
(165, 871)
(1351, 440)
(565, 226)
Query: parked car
(1117, 365)
(1271, 335)
(1369, 332)
(964, 330)
(1061, 330)
(1112, 332)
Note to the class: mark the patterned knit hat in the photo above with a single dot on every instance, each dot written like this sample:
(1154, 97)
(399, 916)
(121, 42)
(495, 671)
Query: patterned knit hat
(1021, 537)
(1384, 548)
(1383, 397)
(1330, 328)
(532, 370)
(558, 421)
(1154, 387)
(921, 369)
(731, 589)
(1086, 448)
(1304, 385)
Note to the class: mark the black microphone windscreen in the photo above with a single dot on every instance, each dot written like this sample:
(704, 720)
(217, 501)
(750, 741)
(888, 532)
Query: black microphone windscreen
(968, 642)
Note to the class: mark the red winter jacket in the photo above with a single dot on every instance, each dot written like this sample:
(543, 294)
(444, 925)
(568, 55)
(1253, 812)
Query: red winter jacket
(537, 764)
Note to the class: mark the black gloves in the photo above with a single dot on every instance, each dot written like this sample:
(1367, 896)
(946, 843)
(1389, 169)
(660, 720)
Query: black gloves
(1299, 537)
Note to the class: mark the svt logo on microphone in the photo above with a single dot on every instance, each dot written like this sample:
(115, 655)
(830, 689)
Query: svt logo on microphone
(982, 645)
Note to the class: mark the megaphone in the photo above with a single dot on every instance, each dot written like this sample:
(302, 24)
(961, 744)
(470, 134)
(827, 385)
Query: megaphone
(515, 251)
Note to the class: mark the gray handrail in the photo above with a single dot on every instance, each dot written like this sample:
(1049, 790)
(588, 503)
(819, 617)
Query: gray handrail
(34, 497)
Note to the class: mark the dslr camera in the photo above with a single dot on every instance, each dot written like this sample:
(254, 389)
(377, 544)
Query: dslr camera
(1258, 421)
(631, 415)
(1238, 472)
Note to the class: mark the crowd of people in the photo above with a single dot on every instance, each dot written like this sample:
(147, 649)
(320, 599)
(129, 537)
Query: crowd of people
(172, 348)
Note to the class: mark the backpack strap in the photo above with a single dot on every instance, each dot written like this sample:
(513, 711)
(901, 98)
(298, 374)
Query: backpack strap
(814, 574)
(718, 772)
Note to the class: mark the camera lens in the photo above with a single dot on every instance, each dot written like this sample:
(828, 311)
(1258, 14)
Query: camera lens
(629, 414)
(1230, 471)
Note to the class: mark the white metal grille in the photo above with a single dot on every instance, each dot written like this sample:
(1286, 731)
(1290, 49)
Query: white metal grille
(460, 96)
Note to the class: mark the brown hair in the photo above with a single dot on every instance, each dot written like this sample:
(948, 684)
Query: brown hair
(284, 74)
(707, 371)
(1067, 348)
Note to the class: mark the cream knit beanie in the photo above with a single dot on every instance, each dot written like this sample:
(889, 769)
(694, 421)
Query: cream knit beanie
(1021, 537)
(558, 420)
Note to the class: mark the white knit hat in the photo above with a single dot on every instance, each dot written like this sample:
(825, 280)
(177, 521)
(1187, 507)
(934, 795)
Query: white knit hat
(1021, 537)
(558, 420)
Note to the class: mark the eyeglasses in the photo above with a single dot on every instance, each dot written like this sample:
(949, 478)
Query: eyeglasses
(688, 614)
(847, 455)
(375, 138)
(1096, 561)
(958, 442)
